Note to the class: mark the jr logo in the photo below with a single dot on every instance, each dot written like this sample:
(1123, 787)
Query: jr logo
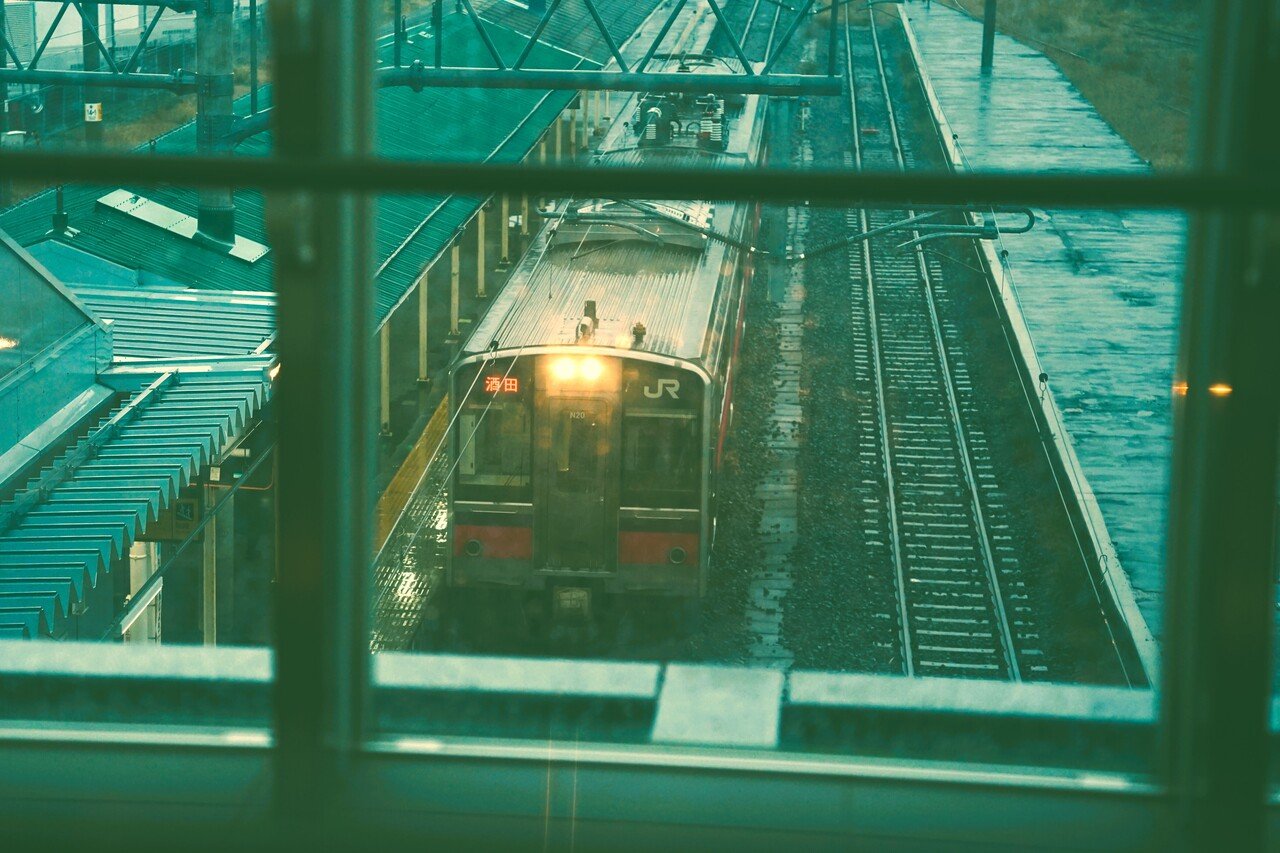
(665, 386)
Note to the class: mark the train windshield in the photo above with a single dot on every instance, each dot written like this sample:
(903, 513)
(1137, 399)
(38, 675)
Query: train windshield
(496, 441)
(660, 463)
(577, 447)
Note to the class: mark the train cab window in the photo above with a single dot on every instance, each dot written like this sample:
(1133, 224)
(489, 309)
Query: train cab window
(497, 454)
(577, 446)
(660, 459)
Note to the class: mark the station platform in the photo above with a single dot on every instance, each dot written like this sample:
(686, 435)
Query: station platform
(1098, 289)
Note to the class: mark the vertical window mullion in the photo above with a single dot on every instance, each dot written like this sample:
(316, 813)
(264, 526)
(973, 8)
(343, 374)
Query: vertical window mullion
(323, 92)
(1220, 588)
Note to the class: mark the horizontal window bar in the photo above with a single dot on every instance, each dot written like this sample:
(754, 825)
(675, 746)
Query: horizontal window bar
(841, 187)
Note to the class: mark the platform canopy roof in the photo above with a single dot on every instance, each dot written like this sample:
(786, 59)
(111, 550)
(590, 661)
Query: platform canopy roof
(61, 532)
(411, 230)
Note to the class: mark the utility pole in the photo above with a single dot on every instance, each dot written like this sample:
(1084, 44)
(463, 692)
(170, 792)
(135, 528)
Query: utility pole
(92, 62)
(988, 35)
(214, 118)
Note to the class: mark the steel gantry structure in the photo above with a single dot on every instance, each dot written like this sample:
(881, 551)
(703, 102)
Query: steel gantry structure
(503, 74)
(745, 78)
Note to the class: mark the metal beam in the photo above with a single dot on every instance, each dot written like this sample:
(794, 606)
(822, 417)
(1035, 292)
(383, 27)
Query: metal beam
(323, 238)
(175, 5)
(533, 38)
(1199, 191)
(178, 82)
(418, 77)
(1222, 525)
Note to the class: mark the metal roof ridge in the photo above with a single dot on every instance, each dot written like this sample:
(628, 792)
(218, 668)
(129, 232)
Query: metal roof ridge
(49, 278)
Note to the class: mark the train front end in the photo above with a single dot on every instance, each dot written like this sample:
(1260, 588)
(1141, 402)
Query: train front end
(580, 479)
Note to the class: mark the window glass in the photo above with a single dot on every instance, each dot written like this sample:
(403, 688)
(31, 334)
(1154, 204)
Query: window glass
(925, 440)
(495, 445)
(577, 442)
(661, 459)
(931, 441)
(138, 370)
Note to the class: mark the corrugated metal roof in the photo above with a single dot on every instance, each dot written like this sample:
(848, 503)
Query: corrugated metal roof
(669, 287)
(571, 27)
(93, 502)
(410, 231)
(181, 322)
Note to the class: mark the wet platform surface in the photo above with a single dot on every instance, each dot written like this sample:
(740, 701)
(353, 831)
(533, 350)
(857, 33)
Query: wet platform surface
(1099, 290)
(411, 536)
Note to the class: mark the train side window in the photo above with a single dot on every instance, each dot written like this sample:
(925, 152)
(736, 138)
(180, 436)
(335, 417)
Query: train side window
(661, 459)
(497, 453)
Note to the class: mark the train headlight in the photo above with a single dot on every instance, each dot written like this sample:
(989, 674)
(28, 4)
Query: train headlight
(564, 368)
(473, 548)
(677, 555)
(591, 368)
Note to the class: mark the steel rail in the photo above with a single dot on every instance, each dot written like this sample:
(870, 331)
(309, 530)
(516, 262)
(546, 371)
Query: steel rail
(895, 533)
(963, 452)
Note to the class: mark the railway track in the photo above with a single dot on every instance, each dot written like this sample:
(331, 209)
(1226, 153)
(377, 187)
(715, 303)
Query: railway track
(959, 611)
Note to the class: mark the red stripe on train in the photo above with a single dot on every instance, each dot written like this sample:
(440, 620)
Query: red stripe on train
(510, 543)
(635, 547)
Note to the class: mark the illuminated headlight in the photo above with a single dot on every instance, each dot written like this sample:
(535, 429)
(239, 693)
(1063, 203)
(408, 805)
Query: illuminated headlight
(564, 368)
(567, 368)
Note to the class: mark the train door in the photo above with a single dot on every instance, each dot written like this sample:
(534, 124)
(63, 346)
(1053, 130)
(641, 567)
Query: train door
(576, 513)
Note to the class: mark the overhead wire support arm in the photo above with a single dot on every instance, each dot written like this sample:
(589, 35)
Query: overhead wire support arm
(533, 38)
(90, 24)
(118, 76)
(733, 39)
(988, 230)
(8, 49)
(628, 77)
(662, 34)
(44, 42)
(787, 36)
(604, 31)
(142, 42)
(484, 35)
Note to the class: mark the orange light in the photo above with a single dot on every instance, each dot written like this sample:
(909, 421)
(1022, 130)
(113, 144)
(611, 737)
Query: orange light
(1180, 388)
(591, 369)
(564, 368)
(1220, 389)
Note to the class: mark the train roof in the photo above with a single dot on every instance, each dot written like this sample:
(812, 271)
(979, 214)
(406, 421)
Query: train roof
(668, 286)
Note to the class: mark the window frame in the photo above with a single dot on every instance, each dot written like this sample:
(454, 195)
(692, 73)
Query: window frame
(319, 754)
